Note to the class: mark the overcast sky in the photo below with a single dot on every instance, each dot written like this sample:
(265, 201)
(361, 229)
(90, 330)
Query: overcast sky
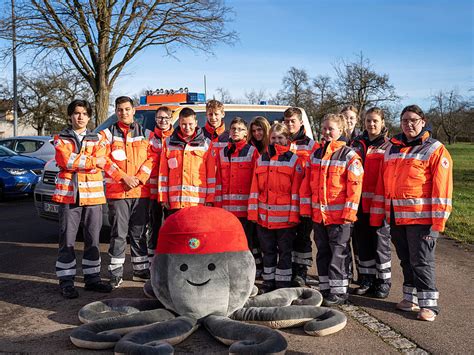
(424, 46)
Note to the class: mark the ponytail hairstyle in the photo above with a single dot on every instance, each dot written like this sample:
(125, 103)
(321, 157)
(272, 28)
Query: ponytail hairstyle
(339, 119)
(280, 128)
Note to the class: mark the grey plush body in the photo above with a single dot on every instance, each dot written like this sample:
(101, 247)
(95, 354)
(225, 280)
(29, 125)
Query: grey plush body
(212, 290)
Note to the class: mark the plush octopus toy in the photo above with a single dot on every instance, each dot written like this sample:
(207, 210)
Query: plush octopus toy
(203, 274)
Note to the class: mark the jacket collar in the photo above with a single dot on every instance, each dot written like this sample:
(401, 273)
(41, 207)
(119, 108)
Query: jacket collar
(332, 146)
(401, 138)
(238, 145)
(301, 134)
(197, 139)
(214, 132)
(163, 134)
(277, 149)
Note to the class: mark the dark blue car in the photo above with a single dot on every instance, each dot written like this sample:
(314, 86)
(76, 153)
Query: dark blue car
(18, 173)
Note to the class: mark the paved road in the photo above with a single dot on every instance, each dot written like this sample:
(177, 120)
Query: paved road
(35, 318)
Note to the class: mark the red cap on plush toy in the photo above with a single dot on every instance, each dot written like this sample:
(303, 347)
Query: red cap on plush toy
(201, 230)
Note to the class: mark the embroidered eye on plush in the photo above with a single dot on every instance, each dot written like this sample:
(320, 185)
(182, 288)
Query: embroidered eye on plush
(211, 267)
(183, 267)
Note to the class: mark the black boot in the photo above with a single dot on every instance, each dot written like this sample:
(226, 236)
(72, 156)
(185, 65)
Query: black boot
(382, 291)
(366, 286)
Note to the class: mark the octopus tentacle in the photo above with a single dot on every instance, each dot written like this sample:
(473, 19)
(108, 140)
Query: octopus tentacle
(148, 290)
(104, 333)
(318, 321)
(287, 296)
(157, 338)
(115, 308)
(245, 338)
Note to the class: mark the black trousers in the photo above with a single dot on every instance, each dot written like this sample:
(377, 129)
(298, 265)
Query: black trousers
(70, 217)
(415, 245)
(155, 220)
(128, 219)
(250, 229)
(331, 258)
(277, 245)
(302, 255)
(373, 249)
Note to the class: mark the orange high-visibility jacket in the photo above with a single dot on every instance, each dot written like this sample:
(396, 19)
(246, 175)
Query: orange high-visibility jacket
(303, 146)
(156, 139)
(127, 155)
(187, 171)
(274, 199)
(332, 186)
(417, 180)
(235, 165)
(371, 153)
(78, 175)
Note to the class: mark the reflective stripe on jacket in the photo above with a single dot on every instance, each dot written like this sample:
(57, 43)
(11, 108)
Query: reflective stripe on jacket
(78, 175)
(130, 155)
(187, 171)
(417, 179)
(274, 198)
(371, 153)
(235, 165)
(332, 186)
(156, 140)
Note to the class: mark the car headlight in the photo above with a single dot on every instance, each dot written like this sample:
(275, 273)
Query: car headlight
(15, 171)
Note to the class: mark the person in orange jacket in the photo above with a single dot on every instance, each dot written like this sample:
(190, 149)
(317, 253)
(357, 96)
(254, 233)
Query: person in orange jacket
(330, 193)
(163, 129)
(215, 126)
(128, 169)
(80, 194)
(187, 167)
(414, 192)
(374, 255)
(235, 166)
(259, 135)
(303, 146)
(274, 205)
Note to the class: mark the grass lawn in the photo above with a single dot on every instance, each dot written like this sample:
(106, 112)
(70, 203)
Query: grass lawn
(460, 224)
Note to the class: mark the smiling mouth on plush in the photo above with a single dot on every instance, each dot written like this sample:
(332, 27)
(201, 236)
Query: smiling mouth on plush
(201, 284)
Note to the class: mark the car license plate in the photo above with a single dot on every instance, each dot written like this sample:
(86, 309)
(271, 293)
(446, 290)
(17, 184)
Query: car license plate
(51, 207)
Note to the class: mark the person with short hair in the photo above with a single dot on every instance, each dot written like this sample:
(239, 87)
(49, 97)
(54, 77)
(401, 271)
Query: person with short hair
(330, 194)
(374, 254)
(128, 169)
(235, 166)
(187, 175)
(274, 206)
(303, 146)
(80, 194)
(259, 134)
(214, 128)
(163, 129)
(414, 193)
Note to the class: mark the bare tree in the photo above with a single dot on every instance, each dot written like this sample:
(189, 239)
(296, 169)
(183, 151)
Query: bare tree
(254, 97)
(325, 100)
(99, 37)
(359, 85)
(296, 87)
(223, 95)
(43, 97)
(451, 114)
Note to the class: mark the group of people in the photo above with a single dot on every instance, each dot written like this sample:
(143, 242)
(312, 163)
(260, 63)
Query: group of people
(281, 184)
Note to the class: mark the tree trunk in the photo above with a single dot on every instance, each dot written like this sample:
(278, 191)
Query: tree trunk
(101, 105)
